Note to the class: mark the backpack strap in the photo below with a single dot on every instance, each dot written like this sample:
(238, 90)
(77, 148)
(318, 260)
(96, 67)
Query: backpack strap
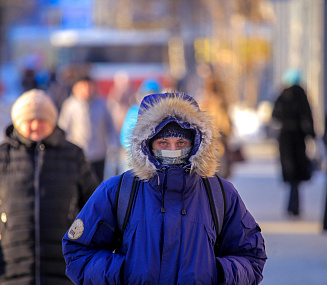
(124, 198)
(217, 202)
(126, 191)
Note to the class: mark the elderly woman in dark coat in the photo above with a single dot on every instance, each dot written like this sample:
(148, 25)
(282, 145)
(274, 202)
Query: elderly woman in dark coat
(44, 182)
(293, 111)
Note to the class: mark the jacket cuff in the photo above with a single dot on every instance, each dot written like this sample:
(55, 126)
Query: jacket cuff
(103, 267)
(221, 279)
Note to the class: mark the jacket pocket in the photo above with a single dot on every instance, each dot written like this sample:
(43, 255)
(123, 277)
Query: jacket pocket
(248, 221)
(251, 228)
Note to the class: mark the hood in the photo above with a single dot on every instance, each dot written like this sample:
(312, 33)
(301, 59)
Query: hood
(155, 112)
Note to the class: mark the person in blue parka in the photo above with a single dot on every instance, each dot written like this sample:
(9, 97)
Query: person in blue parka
(170, 235)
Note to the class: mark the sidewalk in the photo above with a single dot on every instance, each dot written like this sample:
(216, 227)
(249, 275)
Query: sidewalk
(296, 249)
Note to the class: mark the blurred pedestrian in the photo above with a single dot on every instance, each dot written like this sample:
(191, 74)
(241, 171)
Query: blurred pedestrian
(44, 183)
(171, 236)
(28, 79)
(147, 87)
(60, 86)
(119, 98)
(215, 103)
(88, 123)
(293, 112)
(6, 102)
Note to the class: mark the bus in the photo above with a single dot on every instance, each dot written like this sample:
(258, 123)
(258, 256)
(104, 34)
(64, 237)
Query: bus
(139, 54)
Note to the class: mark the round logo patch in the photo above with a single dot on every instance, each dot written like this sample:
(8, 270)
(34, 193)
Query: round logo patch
(76, 230)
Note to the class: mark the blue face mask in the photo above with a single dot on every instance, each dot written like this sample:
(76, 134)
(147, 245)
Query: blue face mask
(172, 157)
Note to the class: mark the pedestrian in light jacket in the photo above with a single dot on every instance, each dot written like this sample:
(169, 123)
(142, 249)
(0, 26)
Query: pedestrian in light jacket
(170, 235)
(88, 123)
(44, 182)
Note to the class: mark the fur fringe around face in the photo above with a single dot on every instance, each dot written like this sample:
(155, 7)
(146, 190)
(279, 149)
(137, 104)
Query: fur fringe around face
(205, 162)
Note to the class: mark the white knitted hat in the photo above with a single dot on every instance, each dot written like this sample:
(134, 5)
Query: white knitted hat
(33, 104)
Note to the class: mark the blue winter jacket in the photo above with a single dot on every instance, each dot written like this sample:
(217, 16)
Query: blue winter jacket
(166, 247)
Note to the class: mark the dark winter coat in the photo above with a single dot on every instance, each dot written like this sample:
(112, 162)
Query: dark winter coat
(293, 111)
(166, 247)
(42, 188)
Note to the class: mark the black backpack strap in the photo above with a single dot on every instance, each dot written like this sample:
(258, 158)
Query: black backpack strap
(117, 195)
(124, 199)
(217, 202)
(222, 210)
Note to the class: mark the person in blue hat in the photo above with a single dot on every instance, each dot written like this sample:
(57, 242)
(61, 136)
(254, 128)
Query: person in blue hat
(148, 86)
(170, 235)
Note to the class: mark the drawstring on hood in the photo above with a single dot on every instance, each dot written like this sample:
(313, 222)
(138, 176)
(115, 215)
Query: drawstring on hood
(162, 194)
(162, 188)
(183, 198)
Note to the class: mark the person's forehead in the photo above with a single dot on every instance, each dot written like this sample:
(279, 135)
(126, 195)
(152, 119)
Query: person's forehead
(41, 120)
(171, 138)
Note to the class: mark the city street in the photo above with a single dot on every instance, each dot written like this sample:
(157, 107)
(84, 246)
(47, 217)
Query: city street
(255, 67)
(296, 249)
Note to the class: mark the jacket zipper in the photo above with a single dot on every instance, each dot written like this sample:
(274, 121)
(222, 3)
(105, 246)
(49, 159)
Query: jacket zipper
(37, 215)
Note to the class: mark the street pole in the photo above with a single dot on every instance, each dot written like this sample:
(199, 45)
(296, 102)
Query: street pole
(325, 95)
(325, 55)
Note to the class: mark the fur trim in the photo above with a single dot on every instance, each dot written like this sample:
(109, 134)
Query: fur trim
(205, 162)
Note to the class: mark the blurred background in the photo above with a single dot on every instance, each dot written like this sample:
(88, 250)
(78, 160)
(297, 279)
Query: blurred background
(245, 46)
(248, 43)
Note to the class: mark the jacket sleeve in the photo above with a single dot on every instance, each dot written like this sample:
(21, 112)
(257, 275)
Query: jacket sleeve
(89, 243)
(305, 114)
(64, 119)
(277, 112)
(242, 254)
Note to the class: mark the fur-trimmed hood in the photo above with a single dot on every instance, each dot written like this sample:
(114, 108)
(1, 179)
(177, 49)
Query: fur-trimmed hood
(155, 112)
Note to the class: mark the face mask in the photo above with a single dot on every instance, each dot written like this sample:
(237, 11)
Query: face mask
(172, 157)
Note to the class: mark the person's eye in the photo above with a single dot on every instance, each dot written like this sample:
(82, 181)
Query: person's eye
(163, 143)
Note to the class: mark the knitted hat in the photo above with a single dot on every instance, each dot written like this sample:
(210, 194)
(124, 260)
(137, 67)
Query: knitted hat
(33, 104)
(292, 77)
(174, 130)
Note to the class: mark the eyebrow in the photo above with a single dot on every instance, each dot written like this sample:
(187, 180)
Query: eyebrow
(169, 137)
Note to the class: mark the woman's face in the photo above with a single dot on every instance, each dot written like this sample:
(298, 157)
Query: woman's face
(36, 129)
(170, 144)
